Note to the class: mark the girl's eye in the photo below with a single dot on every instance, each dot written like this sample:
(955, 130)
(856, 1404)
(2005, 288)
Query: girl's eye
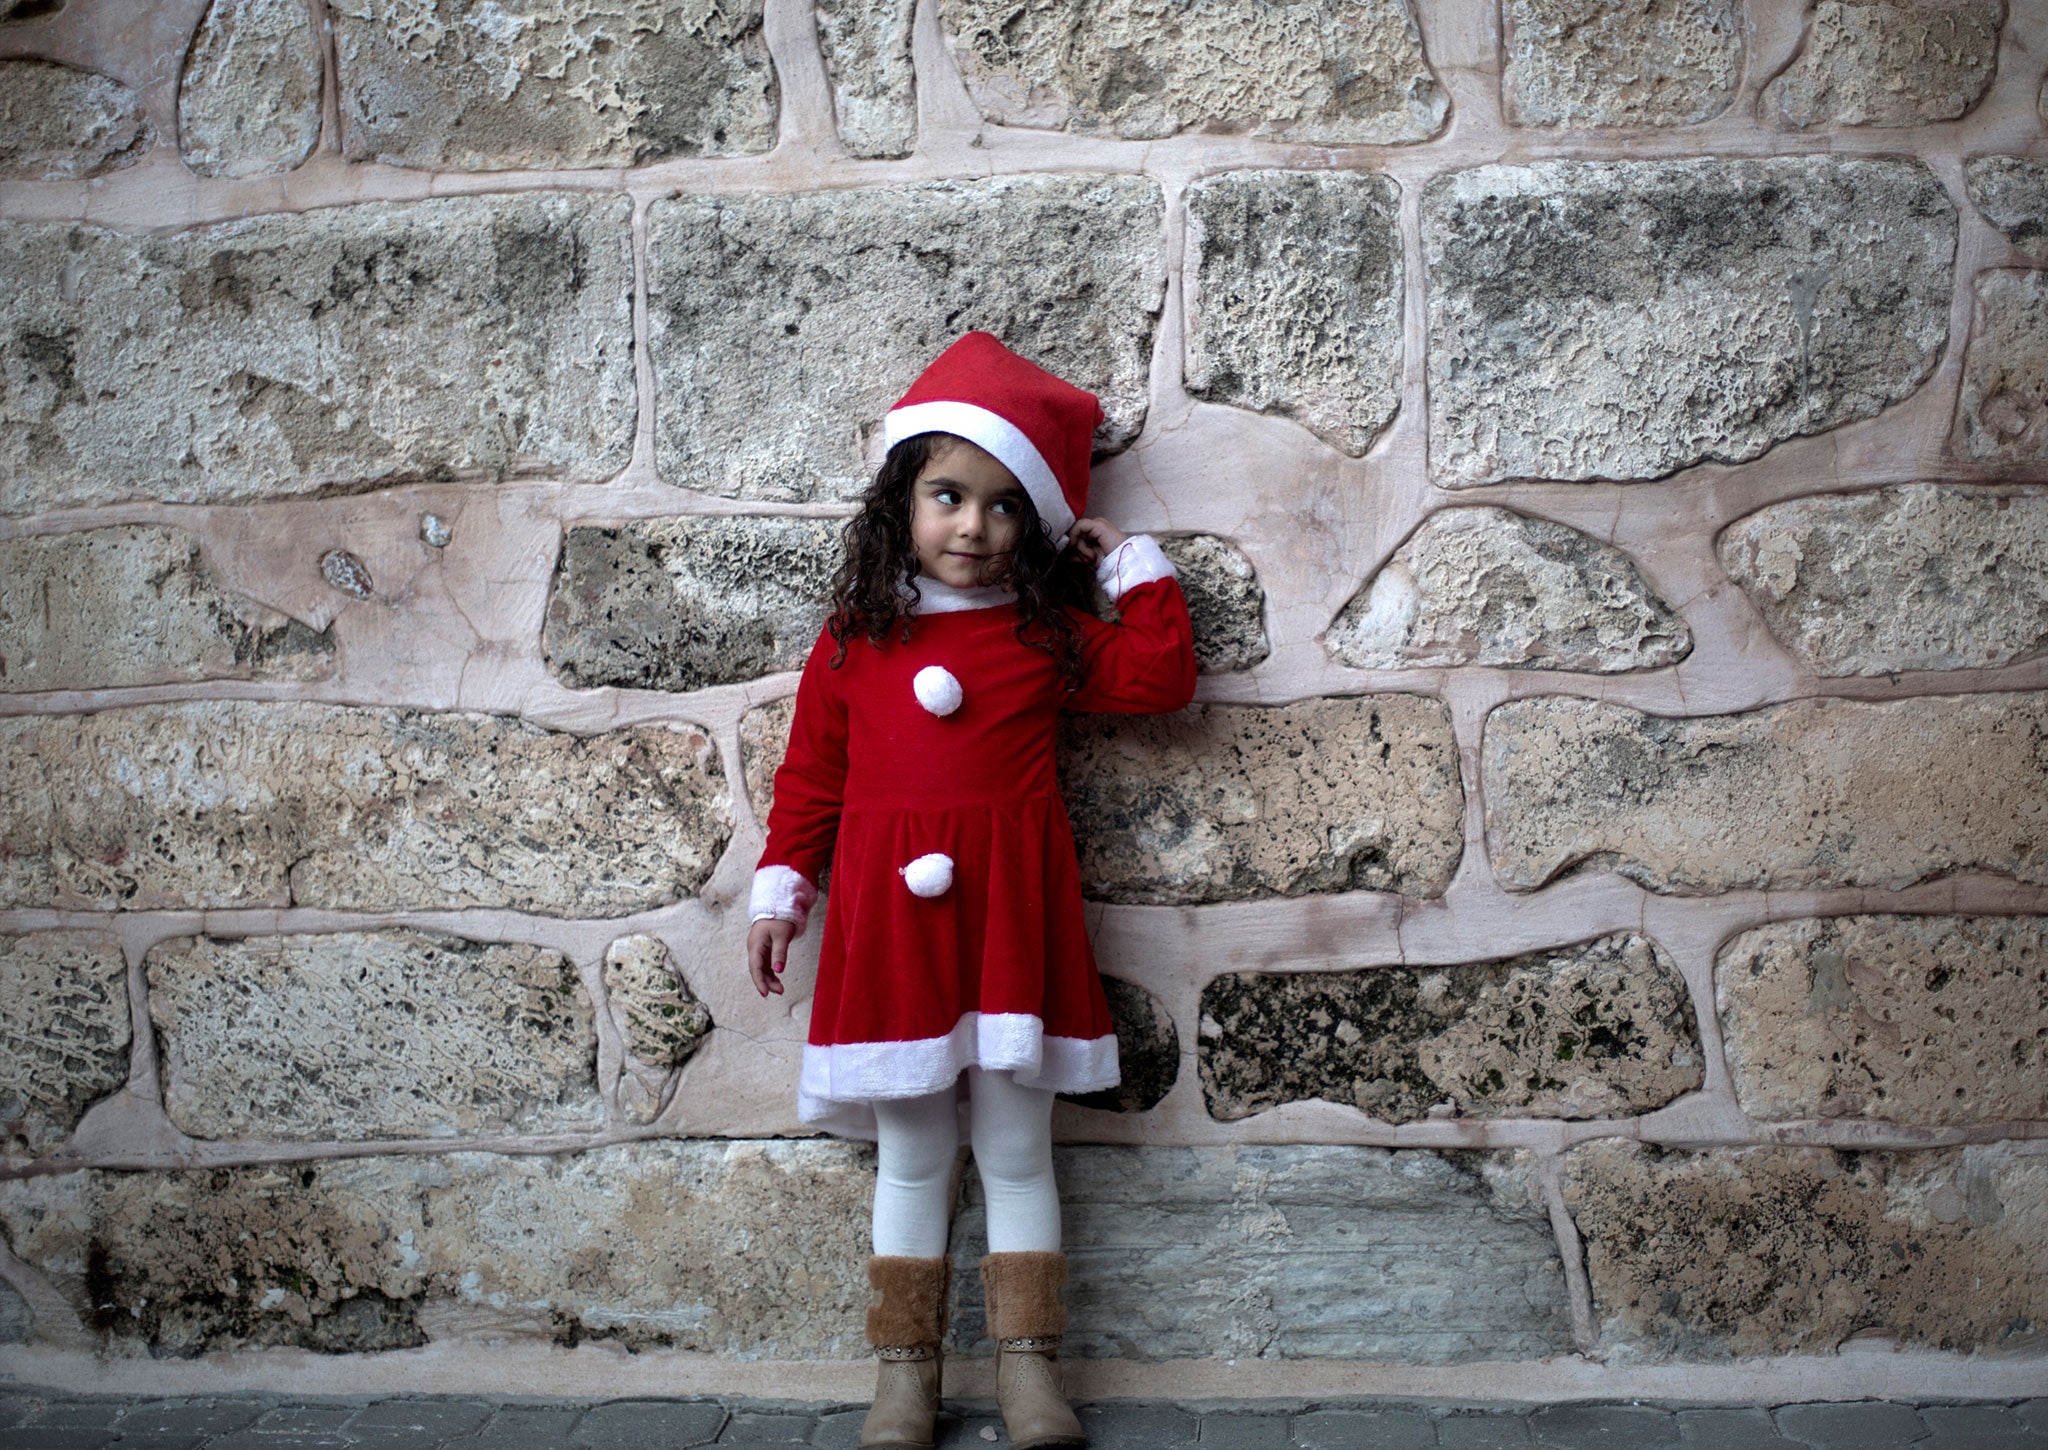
(1006, 505)
(946, 495)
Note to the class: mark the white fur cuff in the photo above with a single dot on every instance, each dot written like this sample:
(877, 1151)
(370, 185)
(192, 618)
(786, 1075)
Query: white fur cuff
(781, 892)
(1137, 560)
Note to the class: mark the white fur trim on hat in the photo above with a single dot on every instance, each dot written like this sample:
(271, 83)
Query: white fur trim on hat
(937, 689)
(930, 875)
(1000, 437)
(781, 892)
(1137, 560)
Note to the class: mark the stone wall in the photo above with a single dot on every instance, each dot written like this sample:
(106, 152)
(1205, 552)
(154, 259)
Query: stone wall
(1590, 924)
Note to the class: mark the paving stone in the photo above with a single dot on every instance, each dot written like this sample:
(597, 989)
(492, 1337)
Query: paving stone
(1915, 577)
(840, 1430)
(649, 1425)
(56, 1437)
(1594, 320)
(287, 1440)
(1319, 72)
(1137, 1427)
(1241, 802)
(1488, 586)
(771, 375)
(1246, 1432)
(1731, 1429)
(2012, 192)
(1992, 1427)
(16, 1408)
(59, 123)
(1364, 1430)
(1586, 1427)
(551, 83)
(1294, 298)
(523, 1428)
(246, 803)
(1603, 63)
(1481, 1432)
(1887, 63)
(874, 85)
(364, 1035)
(1822, 792)
(1850, 1425)
(966, 1432)
(2033, 1414)
(745, 1427)
(2002, 412)
(249, 96)
(432, 1420)
(196, 1417)
(82, 1414)
(480, 336)
(64, 1037)
(1914, 1019)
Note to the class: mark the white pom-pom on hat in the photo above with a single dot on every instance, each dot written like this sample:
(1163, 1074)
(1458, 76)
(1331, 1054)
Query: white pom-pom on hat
(937, 689)
(928, 875)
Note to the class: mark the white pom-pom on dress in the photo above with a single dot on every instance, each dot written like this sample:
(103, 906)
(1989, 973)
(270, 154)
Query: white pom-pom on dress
(930, 875)
(937, 689)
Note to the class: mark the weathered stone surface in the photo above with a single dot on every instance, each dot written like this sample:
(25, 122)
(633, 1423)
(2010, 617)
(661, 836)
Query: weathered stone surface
(381, 1034)
(285, 354)
(1915, 1019)
(874, 86)
(764, 740)
(1266, 1257)
(1294, 298)
(1226, 603)
(249, 100)
(1487, 586)
(1235, 802)
(17, 1322)
(136, 605)
(2012, 192)
(748, 1249)
(1324, 71)
(678, 604)
(243, 804)
(60, 124)
(1598, 1030)
(1811, 794)
(64, 1033)
(771, 372)
(661, 1019)
(1920, 577)
(1887, 63)
(1612, 63)
(2002, 415)
(1148, 1051)
(551, 83)
(1744, 1251)
(1626, 319)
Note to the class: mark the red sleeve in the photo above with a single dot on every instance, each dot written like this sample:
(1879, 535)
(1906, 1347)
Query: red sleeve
(811, 781)
(1143, 664)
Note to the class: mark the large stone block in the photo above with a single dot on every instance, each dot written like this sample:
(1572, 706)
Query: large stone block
(874, 86)
(249, 100)
(1237, 802)
(64, 1033)
(2012, 192)
(1913, 1019)
(1599, 1030)
(678, 604)
(1487, 586)
(764, 740)
(1226, 602)
(1887, 63)
(286, 354)
(2002, 413)
(384, 1034)
(136, 605)
(1294, 1252)
(58, 123)
(1625, 319)
(748, 1249)
(773, 365)
(1334, 72)
(1616, 63)
(1751, 1251)
(525, 84)
(1918, 577)
(250, 804)
(1294, 298)
(1816, 793)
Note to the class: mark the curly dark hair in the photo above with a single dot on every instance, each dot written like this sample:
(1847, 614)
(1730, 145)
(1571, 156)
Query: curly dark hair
(878, 556)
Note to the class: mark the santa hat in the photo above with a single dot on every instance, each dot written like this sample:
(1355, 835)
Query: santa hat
(1038, 427)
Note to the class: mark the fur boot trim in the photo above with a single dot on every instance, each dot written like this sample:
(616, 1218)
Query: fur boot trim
(1024, 1294)
(912, 1307)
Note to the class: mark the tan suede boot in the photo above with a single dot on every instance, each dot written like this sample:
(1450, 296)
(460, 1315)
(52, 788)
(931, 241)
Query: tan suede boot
(1026, 1319)
(905, 1327)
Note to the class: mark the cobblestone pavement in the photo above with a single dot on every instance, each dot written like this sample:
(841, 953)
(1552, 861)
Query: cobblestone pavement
(31, 1420)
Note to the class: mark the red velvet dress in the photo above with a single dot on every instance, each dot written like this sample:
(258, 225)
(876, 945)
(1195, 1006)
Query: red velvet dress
(994, 969)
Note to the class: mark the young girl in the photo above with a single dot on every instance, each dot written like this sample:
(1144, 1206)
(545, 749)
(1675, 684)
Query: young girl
(955, 978)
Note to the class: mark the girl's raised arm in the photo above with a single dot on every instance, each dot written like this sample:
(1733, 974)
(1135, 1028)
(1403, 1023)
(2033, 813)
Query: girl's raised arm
(1143, 664)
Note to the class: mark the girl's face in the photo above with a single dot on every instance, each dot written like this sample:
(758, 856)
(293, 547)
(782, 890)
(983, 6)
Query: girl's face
(966, 512)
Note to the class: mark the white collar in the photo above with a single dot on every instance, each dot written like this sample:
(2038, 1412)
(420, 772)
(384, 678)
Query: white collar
(938, 597)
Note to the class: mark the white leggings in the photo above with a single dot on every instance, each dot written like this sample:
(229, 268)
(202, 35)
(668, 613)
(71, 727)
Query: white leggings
(1011, 1129)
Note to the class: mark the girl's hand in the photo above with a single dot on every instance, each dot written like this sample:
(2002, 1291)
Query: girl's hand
(1095, 539)
(768, 951)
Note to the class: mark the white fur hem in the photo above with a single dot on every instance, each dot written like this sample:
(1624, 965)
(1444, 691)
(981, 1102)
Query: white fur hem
(839, 1082)
(781, 892)
(1137, 560)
